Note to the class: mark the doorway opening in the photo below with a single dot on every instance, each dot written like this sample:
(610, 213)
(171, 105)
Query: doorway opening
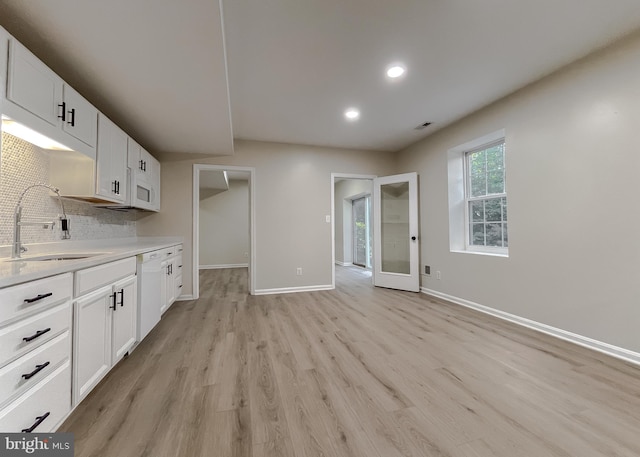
(223, 225)
(352, 219)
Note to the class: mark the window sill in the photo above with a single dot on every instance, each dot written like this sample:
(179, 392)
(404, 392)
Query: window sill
(491, 254)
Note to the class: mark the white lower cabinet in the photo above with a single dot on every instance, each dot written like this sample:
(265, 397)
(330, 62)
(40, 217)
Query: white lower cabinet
(105, 322)
(171, 280)
(123, 329)
(35, 354)
(92, 337)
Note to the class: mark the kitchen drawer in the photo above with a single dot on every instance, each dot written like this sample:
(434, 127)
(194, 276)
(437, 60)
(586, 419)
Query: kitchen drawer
(178, 265)
(19, 301)
(52, 396)
(178, 286)
(12, 343)
(102, 275)
(38, 363)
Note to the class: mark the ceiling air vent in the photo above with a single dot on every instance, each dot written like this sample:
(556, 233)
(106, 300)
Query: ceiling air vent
(422, 126)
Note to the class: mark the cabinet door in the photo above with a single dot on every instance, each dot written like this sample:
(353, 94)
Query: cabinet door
(170, 284)
(80, 118)
(124, 318)
(133, 154)
(111, 161)
(32, 85)
(91, 341)
(163, 286)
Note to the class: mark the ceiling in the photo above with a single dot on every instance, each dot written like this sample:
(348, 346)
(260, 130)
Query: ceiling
(159, 68)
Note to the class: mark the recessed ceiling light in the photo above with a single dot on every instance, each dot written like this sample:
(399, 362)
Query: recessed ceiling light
(395, 71)
(352, 114)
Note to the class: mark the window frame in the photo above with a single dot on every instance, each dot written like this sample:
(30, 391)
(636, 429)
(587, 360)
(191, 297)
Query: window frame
(497, 250)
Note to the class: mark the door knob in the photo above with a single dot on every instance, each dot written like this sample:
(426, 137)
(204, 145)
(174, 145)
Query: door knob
(413, 238)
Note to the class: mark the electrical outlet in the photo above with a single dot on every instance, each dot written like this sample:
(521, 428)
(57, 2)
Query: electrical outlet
(299, 271)
(438, 275)
(327, 219)
(427, 270)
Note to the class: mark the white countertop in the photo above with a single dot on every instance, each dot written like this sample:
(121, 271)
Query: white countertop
(19, 271)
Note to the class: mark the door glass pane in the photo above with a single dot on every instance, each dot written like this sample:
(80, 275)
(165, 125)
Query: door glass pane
(360, 238)
(394, 209)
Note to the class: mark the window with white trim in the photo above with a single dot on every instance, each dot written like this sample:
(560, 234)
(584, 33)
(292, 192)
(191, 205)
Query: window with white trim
(486, 198)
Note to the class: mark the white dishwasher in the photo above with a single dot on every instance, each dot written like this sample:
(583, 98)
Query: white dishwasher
(149, 291)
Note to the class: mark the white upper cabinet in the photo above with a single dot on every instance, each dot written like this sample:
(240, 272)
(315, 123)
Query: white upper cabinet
(145, 178)
(80, 117)
(111, 161)
(44, 96)
(33, 85)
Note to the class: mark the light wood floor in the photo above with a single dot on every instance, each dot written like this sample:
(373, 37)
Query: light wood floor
(354, 372)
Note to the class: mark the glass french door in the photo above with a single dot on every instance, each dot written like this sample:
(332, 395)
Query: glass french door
(396, 244)
(362, 234)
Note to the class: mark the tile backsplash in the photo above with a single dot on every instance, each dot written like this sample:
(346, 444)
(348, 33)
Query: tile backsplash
(23, 164)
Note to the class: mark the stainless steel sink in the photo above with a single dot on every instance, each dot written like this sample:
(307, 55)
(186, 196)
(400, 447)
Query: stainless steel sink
(59, 256)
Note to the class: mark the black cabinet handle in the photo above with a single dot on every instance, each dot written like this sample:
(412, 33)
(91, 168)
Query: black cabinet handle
(144, 165)
(113, 301)
(180, 286)
(113, 186)
(39, 420)
(413, 238)
(118, 187)
(38, 297)
(63, 116)
(121, 292)
(38, 369)
(72, 122)
(38, 334)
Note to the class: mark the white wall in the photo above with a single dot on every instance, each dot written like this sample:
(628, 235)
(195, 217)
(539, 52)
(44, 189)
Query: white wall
(572, 180)
(293, 196)
(344, 191)
(224, 227)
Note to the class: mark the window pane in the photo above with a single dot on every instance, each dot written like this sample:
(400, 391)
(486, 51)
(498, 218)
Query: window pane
(394, 199)
(477, 211)
(494, 234)
(495, 158)
(478, 185)
(504, 209)
(477, 234)
(495, 182)
(477, 163)
(493, 209)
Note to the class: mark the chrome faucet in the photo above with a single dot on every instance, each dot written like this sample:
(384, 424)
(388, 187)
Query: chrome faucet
(19, 221)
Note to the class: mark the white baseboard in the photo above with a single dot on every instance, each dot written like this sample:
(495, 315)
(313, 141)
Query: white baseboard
(291, 290)
(185, 298)
(605, 348)
(344, 264)
(227, 265)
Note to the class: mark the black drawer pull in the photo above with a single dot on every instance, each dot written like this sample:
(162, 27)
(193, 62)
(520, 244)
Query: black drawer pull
(72, 122)
(39, 420)
(62, 116)
(38, 334)
(113, 305)
(39, 297)
(121, 292)
(38, 369)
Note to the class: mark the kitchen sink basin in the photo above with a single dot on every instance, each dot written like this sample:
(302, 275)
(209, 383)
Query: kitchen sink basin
(59, 256)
